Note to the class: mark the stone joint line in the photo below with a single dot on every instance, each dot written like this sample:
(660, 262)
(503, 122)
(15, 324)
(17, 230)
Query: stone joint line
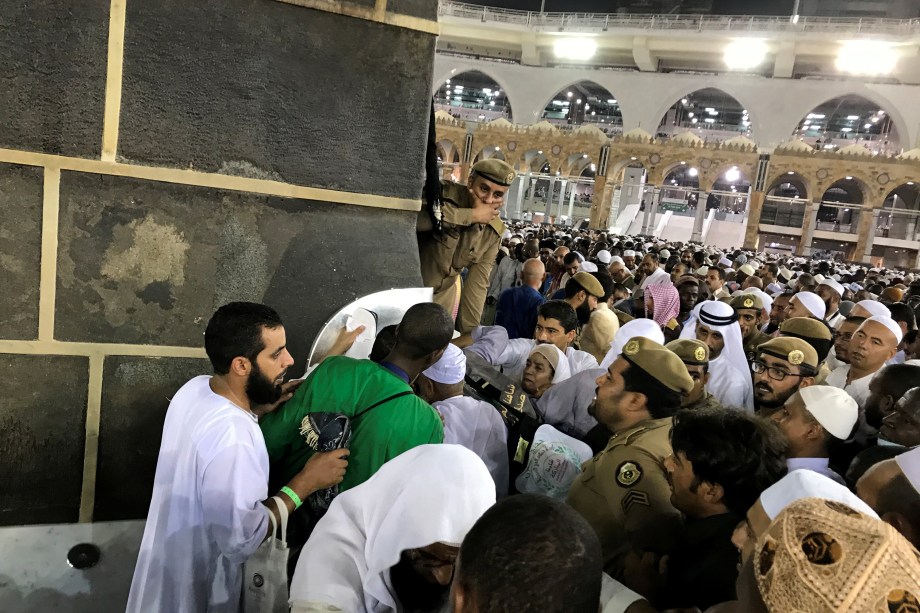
(376, 14)
(113, 79)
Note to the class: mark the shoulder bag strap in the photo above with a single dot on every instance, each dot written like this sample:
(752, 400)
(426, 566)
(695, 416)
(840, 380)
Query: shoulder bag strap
(384, 401)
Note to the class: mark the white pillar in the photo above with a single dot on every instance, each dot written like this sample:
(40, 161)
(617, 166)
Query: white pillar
(562, 189)
(572, 200)
(700, 216)
(811, 224)
(870, 239)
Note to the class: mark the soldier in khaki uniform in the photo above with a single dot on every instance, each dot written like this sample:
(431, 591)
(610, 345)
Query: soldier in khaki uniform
(623, 491)
(470, 237)
(783, 366)
(816, 333)
(695, 356)
(749, 308)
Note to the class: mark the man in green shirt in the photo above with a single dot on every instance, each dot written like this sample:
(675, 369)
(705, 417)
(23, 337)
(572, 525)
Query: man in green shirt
(399, 421)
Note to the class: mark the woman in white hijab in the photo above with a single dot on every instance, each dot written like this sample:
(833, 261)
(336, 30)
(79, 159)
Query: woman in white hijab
(395, 537)
(545, 367)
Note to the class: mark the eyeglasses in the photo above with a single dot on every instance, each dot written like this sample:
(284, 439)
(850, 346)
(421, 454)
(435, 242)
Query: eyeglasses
(777, 374)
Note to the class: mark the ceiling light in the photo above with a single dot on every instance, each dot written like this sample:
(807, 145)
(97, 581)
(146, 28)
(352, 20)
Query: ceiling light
(684, 101)
(867, 57)
(593, 113)
(575, 48)
(578, 101)
(853, 117)
(694, 120)
(569, 94)
(849, 178)
(846, 129)
(693, 172)
(791, 172)
(910, 182)
(745, 54)
(690, 114)
(487, 91)
(611, 101)
(875, 120)
(491, 102)
(682, 162)
(633, 158)
(713, 112)
(539, 153)
(867, 126)
(732, 174)
(708, 120)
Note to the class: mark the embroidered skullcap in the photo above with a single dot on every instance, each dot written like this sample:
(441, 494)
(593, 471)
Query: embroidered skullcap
(820, 555)
(450, 369)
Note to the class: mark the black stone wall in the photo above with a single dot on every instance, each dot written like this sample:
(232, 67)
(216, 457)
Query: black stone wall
(258, 89)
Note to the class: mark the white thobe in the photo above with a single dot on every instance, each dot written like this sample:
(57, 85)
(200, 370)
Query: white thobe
(477, 425)
(818, 465)
(858, 389)
(206, 515)
(730, 385)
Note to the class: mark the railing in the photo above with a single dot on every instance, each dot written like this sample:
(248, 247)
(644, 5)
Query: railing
(785, 213)
(903, 225)
(583, 22)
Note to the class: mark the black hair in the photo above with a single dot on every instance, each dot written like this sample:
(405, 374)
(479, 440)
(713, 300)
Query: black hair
(659, 400)
(425, 328)
(235, 330)
(902, 312)
(856, 320)
(743, 453)
(606, 281)
(653, 255)
(531, 553)
(899, 496)
(570, 257)
(384, 343)
(699, 259)
(572, 287)
(899, 378)
(561, 311)
(618, 287)
(718, 270)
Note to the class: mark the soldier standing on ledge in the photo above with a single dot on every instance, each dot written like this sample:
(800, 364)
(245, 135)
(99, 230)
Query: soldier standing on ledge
(469, 237)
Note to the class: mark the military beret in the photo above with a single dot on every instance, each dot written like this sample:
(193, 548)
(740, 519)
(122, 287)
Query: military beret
(794, 350)
(746, 301)
(686, 280)
(806, 327)
(590, 283)
(496, 171)
(690, 351)
(660, 363)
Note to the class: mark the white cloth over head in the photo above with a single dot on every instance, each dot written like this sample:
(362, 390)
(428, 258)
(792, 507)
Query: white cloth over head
(630, 330)
(588, 267)
(429, 494)
(604, 257)
(800, 484)
(764, 297)
(450, 369)
(834, 285)
(889, 323)
(479, 427)
(909, 463)
(729, 374)
(834, 409)
(813, 303)
(616, 260)
(725, 263)
(557, 359)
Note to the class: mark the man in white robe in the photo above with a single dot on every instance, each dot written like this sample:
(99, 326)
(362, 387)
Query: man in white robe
(716, 324)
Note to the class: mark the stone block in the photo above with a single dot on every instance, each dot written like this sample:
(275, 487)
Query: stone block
(135, 395)
(425, 9)
(148, 263)
(42, 434)
(52, 86)
(20, 250)
(276, 91)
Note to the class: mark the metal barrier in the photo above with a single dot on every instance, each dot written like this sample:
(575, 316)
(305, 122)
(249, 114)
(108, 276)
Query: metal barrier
(586, 22)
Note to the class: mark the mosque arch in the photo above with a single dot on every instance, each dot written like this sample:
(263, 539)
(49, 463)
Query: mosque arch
(473, 95)
(489, 152)
(850, 119)
(708, 112)
(790, 184)
(584, 102)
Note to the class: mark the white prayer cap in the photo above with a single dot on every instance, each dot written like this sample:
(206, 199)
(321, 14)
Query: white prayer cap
(504, 250)
(450, 369)
(507, 234)
(889, 323)
(748, 270)
(629, 253)
(813, 303)
(874, 307)
(874, 270)
(580, 257)
(615, 259)
(820, 279)
(515, 240)
(725, 262)
(628, 331)
(588, 267)
(604, 256)
(702, 271)
(855, 287)
(664, 254)
(834, 285)
(764, 297)
(775, 289)
(834, 409)
(801, 484)
(909, 463)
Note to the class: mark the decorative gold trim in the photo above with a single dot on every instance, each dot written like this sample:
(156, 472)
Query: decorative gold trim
(43, 347)
(91, 445)
(48, 277)
(208, 179)
(113, 80)
(348, 9)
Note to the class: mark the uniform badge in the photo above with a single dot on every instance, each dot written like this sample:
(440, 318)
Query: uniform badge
(510, 178)
(748, 303)
(631, 348)
(628, 474)
(700, 354)
(796, 357)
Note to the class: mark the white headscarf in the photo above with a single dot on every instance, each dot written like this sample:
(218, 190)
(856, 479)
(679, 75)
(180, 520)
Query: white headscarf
(557, 359)
(429, 494)
(730, 375)
(637, 327)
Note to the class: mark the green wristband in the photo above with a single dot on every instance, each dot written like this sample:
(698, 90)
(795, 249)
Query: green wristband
(293, 496)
